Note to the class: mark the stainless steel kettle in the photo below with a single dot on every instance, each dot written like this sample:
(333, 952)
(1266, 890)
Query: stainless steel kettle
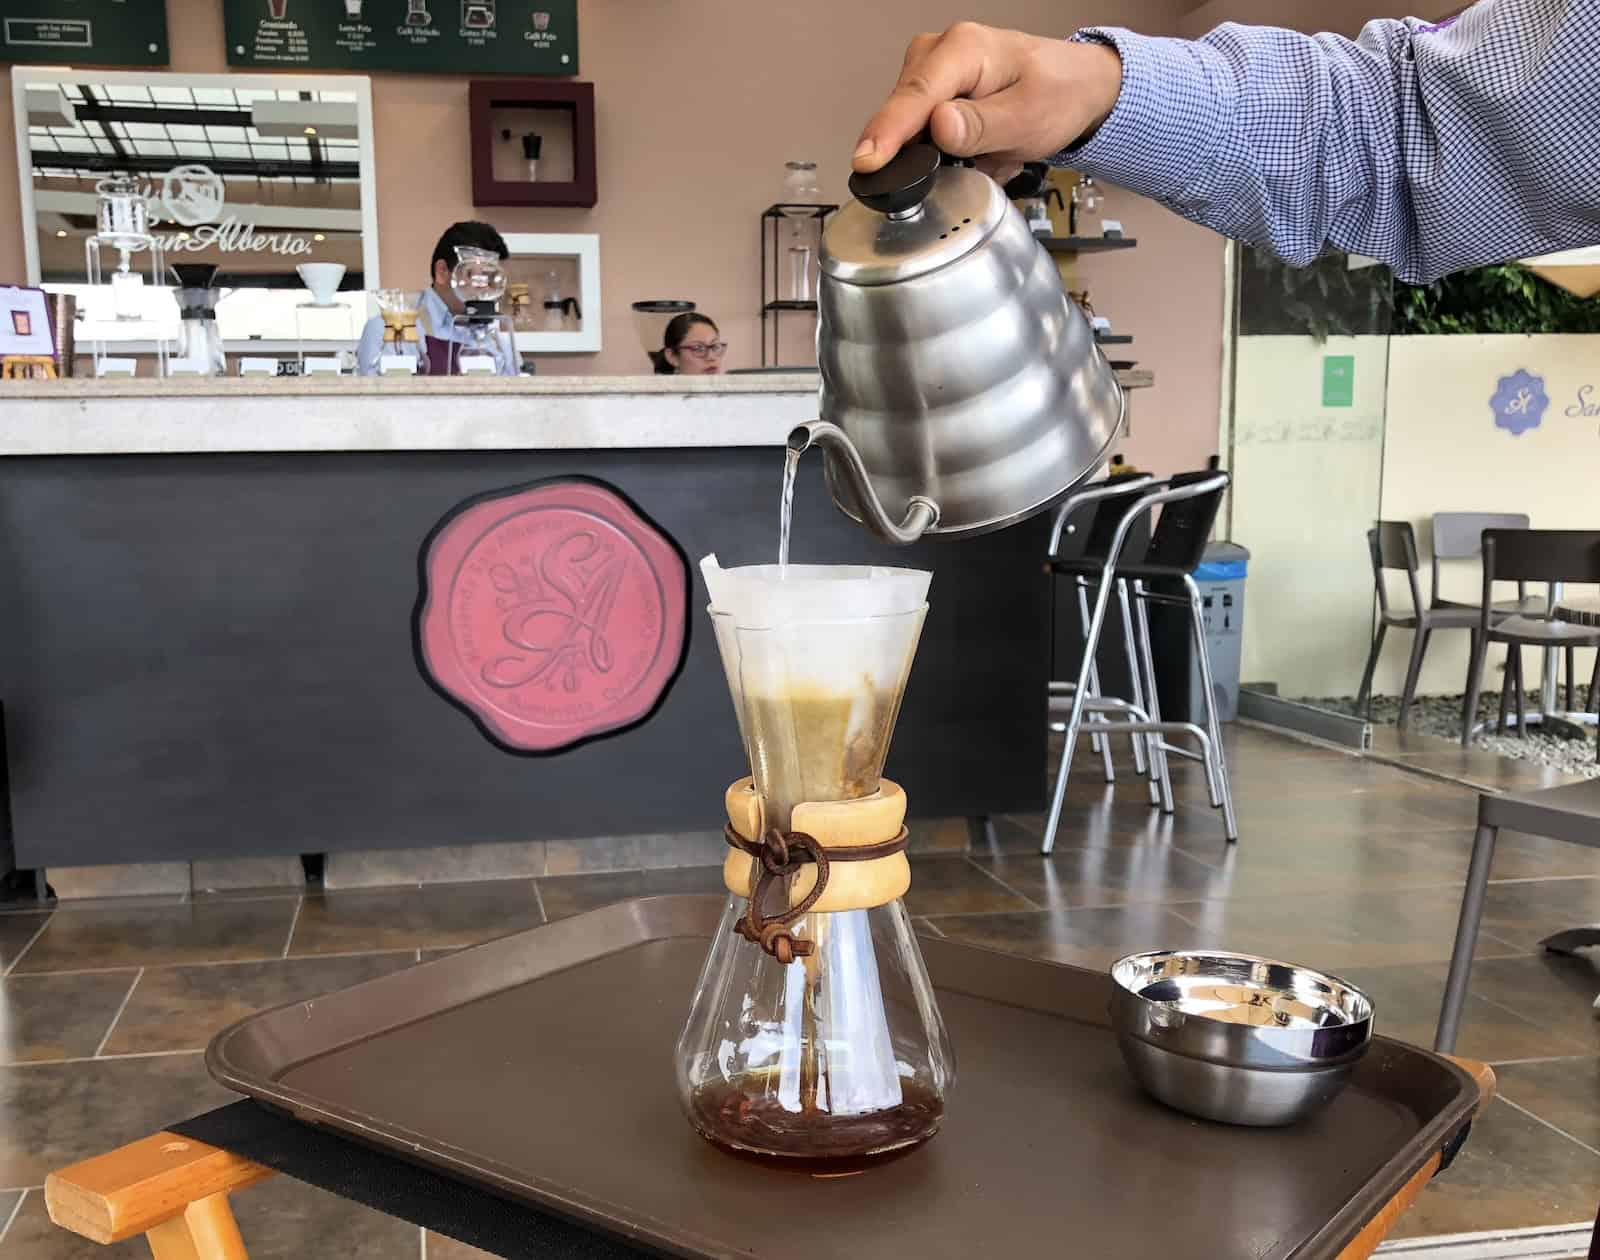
(962, 389)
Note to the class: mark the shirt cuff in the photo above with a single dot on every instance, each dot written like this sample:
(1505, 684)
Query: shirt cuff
(1167, 119)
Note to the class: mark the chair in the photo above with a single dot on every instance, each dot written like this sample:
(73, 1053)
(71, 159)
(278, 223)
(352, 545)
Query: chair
(1570, 813)
(1393, 546)
(1529, 555)
(1459, 536)
(1189, 503)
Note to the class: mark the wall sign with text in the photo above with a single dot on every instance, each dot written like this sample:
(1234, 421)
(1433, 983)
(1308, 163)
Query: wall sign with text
(85, 32)
(413, 36)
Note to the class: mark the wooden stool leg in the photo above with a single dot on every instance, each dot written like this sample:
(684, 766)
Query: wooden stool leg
(171, 1189)
(205, 1231)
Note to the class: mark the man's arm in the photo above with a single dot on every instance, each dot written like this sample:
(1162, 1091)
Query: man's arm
(1429, 148)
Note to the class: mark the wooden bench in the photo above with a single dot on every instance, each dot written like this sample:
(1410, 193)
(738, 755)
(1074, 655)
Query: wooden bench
(174, 1190)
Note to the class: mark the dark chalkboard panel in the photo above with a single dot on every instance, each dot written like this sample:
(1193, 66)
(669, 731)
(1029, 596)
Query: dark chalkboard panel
(412, 36)
(212, 655)
(85, 32)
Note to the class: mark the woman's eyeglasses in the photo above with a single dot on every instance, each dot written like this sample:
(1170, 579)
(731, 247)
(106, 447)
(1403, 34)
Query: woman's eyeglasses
(701, 349)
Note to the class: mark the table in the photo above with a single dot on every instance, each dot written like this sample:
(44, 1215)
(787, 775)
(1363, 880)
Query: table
(174, 1190)
(1550, 717)
(1582, 612)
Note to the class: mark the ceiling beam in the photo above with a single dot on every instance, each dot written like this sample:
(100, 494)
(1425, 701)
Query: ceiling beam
(90, 110)
(247, 168)
(171, 115)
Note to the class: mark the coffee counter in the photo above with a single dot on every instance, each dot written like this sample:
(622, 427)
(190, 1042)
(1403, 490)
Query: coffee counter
(208, 650)
(318, 413)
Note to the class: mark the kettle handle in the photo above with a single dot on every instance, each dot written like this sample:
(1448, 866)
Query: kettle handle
(921, 514)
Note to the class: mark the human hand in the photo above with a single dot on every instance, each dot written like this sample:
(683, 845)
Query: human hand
(1002, 97)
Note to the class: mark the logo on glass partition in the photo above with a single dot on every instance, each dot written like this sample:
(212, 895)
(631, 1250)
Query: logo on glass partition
(1519, 402)
(193, 194)
(191, 201)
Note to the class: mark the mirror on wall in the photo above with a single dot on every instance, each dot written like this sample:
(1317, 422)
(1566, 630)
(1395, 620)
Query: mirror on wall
(253, 174)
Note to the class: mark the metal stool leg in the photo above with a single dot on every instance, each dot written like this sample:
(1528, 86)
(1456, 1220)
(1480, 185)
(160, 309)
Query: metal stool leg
(1100, 743)
(1080, 696)
(1455, 985)
(1197, 619)
(1160, 768)
(1144, 747)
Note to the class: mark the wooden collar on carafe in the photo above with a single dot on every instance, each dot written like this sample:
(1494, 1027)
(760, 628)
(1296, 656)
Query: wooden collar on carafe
(875, 822)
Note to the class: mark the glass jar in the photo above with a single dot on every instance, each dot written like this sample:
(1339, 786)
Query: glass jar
(478, 276)
(800, 185)
(122, 217)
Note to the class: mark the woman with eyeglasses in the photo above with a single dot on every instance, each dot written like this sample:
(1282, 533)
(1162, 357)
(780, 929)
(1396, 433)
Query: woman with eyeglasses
(691, 346)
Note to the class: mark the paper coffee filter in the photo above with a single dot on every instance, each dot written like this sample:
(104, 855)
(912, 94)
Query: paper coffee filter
(759, 596)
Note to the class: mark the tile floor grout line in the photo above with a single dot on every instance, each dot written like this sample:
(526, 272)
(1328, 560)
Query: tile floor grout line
(1549, 1058)
(110, 1058)
(936, 930)
(20, 1189)
(538, 898)
(15, 1208)
(126, 998)
(294, 922)
(22, 953)
(422, 1242)
(1554, 1128)
(1023, 897)
(1528, 1019)
(210, 962)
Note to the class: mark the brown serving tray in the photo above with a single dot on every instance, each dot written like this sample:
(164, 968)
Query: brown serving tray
(540, 1067)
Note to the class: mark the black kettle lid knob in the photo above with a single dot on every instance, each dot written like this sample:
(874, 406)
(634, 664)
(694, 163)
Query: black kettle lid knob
(902, 183)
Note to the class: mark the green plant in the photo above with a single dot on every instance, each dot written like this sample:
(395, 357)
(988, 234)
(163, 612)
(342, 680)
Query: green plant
(1323, 300)
(1502, 299)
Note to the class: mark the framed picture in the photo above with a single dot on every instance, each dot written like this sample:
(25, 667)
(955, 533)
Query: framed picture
(561, 274)
(25, 323)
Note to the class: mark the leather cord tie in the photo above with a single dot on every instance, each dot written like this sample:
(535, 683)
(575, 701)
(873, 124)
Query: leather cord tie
(781, 854)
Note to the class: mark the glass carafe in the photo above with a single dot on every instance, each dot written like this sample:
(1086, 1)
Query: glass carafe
(829, 1047)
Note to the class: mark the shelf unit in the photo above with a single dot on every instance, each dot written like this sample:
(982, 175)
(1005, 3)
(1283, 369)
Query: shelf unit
(1087, 244)
(772, 307)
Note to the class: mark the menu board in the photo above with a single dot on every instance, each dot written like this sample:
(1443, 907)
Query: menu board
(85, 32)
(413, 36)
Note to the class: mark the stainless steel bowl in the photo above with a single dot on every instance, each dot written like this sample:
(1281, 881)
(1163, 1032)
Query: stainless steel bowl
(1236, 1038)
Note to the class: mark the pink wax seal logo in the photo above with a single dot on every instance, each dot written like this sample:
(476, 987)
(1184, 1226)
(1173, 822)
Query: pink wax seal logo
(552, 613)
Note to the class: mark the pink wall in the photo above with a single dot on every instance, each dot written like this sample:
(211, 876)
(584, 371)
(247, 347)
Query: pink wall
(699, 103)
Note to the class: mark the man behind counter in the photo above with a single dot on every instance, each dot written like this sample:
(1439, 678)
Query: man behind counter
(439, 343)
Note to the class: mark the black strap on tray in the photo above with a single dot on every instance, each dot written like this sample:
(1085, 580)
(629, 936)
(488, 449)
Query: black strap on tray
(411, 1192)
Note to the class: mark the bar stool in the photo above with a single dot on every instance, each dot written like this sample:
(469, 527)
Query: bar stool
(1110, 500)
(1189, 503)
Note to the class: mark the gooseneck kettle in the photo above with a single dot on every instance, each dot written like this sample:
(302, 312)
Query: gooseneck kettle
(962, 389)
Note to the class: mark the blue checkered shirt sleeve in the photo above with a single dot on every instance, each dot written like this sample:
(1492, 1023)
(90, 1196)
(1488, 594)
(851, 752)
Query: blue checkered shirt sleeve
(1428, 147)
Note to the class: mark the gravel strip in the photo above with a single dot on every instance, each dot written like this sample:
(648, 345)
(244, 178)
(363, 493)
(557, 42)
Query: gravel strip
(1440, 716)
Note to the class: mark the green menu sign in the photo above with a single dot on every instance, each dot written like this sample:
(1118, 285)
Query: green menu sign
(414, 36)
(85, 32)
(1338, 380)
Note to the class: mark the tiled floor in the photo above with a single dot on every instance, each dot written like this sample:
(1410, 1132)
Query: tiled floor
(1343, 863)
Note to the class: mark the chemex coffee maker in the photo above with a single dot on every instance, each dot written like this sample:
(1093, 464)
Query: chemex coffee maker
(814, 1036)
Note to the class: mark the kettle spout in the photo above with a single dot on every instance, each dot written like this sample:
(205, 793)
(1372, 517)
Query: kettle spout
(921, 514)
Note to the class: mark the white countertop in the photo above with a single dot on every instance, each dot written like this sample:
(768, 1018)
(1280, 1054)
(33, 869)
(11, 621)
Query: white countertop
(82, 416)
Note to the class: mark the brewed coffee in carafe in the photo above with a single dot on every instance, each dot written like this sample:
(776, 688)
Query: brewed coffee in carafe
(814, 1034)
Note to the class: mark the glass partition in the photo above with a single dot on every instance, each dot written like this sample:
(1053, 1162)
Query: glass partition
(1309, 374)
(253, 174)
